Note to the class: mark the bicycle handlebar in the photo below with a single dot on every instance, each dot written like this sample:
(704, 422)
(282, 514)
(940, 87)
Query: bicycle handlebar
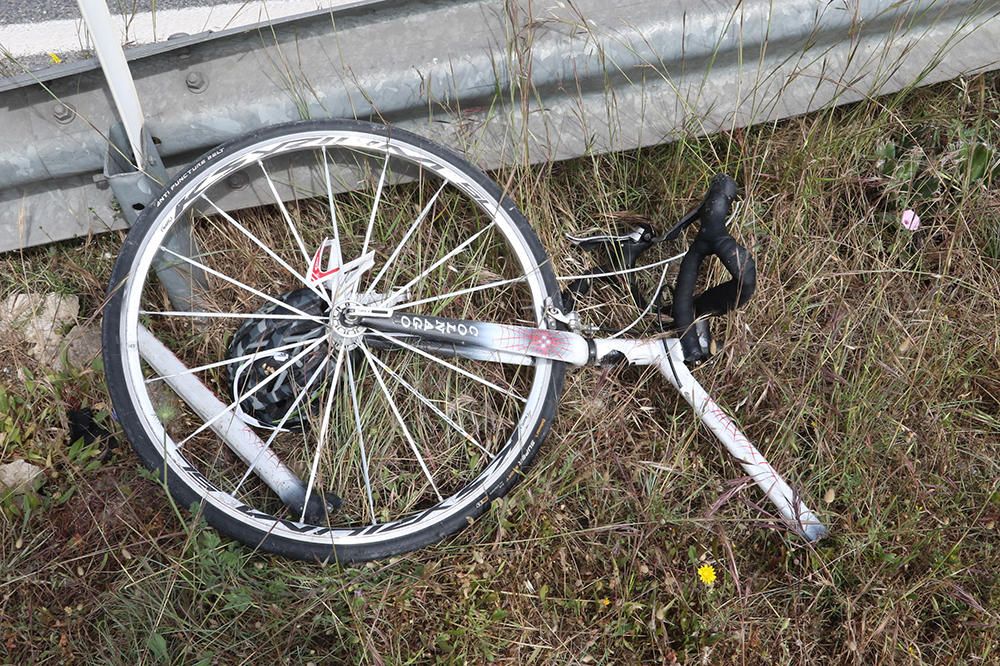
(622, 252)
(712, 239)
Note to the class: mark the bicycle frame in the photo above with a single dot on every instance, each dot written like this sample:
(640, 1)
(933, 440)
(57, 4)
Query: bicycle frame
(521, 344)
(469, 339)
(503, 344)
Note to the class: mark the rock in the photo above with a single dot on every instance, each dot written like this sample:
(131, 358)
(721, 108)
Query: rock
(40, 320)
(83, 345)
(20, 477)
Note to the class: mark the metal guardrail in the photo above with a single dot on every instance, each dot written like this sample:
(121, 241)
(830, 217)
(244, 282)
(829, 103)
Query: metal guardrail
(505, 82)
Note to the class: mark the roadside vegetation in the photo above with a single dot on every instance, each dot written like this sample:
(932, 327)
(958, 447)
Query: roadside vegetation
(867, 368)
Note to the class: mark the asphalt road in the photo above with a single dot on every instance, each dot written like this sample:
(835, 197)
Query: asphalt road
(30, 31)
(32, 11)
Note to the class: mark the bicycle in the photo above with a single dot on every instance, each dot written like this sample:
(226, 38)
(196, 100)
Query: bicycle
(395, 269)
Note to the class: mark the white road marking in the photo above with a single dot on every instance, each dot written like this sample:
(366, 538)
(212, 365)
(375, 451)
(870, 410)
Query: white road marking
(68, 35)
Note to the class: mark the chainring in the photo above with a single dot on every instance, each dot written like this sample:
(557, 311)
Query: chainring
(267, 406)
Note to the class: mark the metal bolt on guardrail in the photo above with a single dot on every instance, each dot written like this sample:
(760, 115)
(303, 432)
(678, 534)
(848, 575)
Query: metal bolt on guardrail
(62, 113)
(196, 82)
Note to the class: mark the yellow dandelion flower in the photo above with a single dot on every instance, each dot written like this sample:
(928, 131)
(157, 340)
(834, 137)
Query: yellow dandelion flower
(707, 574)
(605, 602)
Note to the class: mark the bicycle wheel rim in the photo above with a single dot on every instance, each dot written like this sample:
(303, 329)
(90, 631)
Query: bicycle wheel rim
(275, 532)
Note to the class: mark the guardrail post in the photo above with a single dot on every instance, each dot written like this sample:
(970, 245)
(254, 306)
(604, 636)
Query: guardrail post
(133, 166)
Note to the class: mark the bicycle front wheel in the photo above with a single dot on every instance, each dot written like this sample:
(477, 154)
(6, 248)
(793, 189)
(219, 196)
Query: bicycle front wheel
(293, 429)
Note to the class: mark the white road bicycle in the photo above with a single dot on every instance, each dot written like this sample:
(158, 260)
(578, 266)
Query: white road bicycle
(376, 347)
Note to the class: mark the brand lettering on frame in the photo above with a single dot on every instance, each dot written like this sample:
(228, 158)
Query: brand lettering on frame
(438, 325)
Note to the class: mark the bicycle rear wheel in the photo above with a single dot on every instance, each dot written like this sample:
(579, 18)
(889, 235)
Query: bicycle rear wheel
(394, 443)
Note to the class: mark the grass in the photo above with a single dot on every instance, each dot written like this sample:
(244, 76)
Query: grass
(866, 367)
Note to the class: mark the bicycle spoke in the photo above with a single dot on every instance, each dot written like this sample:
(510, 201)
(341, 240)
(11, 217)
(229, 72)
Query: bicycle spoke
(460, 292)
(271, 253)
(422, 398)
(450, 366)
(466, 243)
(406, 237)
(236, 359)
(285, 214)
(399, 419)
(378, 198)
(361, 438)
(324, 428)
(226, 315)
(234, 281)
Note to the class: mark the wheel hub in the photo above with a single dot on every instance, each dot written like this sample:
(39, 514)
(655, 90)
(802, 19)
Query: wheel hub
(344, 331)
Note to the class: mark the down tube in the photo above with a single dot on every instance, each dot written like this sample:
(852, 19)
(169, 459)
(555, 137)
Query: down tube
(519, 340)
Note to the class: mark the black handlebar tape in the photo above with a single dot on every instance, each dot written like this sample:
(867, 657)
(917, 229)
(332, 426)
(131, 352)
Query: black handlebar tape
(683, 310)
(733, 293)
(712, 239)
(714, 209)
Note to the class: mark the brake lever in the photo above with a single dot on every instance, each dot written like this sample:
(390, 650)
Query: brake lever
(682, 224)
(591, 243)
(621, 252)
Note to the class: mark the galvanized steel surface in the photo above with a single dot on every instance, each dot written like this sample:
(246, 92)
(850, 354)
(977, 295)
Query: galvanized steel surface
(504, 82)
